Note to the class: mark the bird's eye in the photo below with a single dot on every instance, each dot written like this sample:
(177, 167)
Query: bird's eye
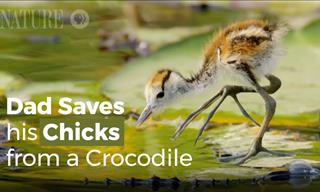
(160, 95)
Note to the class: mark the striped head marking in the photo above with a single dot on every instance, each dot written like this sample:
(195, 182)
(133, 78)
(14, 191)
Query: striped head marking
(159, 91)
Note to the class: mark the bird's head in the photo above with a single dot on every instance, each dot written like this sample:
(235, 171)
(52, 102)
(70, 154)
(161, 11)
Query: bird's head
(162, 88)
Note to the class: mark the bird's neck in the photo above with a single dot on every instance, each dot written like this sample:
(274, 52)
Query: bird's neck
(198, 82)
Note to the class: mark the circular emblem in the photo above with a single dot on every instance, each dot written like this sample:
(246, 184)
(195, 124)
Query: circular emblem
(79, 19)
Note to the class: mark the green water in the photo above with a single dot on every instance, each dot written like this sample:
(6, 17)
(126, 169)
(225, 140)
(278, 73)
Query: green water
(155, 136)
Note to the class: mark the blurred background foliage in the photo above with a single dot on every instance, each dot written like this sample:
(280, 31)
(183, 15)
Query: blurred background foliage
(125, 43)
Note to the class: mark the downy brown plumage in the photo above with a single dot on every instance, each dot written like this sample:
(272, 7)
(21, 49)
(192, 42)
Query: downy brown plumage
(246, 49)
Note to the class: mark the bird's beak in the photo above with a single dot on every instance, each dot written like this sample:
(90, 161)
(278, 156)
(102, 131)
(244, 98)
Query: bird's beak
(144, 115)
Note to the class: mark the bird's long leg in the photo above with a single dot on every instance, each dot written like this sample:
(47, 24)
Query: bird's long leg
(223, 97)
(227, 91)
(194, 114)
(243, 111)
(275, 84)
(270, 106)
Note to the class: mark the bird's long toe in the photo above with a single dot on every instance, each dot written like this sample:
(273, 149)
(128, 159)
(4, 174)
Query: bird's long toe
(277, 153)
(229, 158)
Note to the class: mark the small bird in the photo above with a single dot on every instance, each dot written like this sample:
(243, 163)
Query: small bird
(247, 50)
